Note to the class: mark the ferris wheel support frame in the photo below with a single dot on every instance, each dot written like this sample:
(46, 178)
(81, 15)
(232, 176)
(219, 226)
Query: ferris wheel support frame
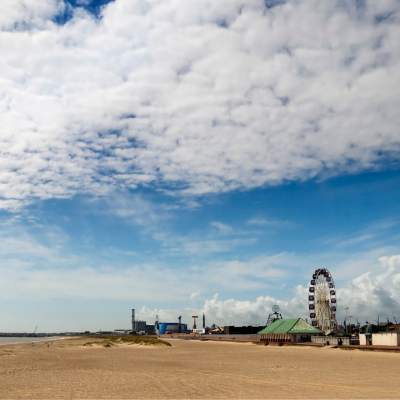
(322, 302)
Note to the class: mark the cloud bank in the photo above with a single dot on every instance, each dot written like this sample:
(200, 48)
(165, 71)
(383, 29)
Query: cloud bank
(368, 285)
(194, 97)
(367, 296)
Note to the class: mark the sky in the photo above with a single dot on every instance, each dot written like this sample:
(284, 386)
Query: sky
(183, 157)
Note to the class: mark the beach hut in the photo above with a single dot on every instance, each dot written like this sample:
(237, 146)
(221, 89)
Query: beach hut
(293, 330)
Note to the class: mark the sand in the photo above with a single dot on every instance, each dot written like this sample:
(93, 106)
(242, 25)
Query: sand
(194, 369)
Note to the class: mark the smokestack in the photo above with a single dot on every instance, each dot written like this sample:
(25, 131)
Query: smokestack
(133, 321)
(204, 320)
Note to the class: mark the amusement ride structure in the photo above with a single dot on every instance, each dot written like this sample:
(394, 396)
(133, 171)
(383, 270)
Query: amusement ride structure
(322, 302)
(274, 316)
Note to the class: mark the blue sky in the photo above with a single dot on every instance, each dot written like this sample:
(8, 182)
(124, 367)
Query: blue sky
(181, 159)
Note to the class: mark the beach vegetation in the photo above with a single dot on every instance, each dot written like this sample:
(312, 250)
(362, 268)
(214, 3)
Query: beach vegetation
(6, 353)
(109, 341)
(104, 343)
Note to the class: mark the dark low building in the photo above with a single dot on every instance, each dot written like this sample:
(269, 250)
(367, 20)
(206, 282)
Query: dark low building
(382, 326)
(242, 330)
(142, 326)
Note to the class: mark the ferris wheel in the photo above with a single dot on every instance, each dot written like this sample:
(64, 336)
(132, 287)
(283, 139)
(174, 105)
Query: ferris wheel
(322, 302)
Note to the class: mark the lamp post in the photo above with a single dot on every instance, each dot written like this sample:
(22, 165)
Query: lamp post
(350, 317)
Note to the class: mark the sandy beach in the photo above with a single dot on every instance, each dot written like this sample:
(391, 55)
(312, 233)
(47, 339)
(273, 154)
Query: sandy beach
(194, 369)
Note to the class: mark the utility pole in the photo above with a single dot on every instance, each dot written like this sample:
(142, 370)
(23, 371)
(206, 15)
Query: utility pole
(345, 320)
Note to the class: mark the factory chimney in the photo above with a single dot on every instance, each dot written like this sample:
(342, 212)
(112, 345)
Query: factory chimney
(204, 321)
(133, 322)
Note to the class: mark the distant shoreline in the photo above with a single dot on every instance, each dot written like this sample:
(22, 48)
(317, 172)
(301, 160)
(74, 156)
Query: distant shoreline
(33, 340)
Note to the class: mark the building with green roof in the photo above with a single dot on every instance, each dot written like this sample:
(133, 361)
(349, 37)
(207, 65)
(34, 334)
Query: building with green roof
(288, 331)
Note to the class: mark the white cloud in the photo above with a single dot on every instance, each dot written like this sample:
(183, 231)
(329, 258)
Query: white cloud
(236, 312)
(132, 208)
(28, 14)
(205, 247)
(206, 243)
(223, 229)
(374, 292)
(261, 221)
(200, 96)
(195, 298)
(356, 240)
(169, 315)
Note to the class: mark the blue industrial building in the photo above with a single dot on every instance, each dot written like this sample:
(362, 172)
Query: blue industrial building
(173, 327)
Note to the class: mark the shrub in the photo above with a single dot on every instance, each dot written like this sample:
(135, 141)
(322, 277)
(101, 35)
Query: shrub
(108, 341)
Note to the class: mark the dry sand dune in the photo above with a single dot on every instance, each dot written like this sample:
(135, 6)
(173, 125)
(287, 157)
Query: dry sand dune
(194, 369)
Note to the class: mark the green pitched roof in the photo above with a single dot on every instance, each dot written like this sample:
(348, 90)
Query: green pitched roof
(280, 326)
(294, 325)
(304, 327)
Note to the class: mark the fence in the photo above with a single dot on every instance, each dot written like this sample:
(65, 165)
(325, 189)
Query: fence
(334, 340)
(233, 338)
(180, 335)
(236, 338)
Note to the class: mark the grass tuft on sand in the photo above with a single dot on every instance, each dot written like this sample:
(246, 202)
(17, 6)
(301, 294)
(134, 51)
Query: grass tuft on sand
(109, 341)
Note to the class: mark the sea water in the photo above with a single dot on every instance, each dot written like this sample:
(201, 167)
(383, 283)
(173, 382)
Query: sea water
(12, 340)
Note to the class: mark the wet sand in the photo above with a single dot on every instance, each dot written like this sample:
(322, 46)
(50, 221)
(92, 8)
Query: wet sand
(194, 370)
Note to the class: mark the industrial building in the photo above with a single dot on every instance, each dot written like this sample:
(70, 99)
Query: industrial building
(139, 326)
(293, 330)
(159, 328)
(174, 327)
(142, 326)
(121, 331)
